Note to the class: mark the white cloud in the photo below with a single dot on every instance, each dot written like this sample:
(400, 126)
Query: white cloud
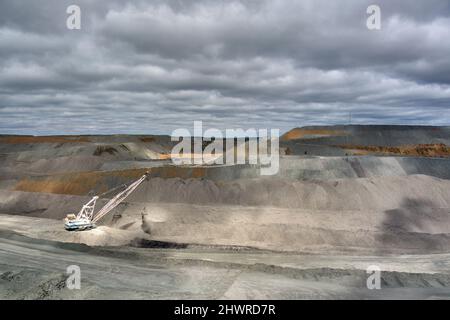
(139, 66)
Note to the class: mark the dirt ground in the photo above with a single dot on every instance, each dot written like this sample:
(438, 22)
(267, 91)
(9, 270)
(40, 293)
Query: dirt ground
(208, 273)
(225, 232)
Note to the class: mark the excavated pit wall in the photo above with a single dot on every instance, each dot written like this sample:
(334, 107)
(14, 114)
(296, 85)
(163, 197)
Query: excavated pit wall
(371, 215)
(381, 204)
(347, 194)
(291, 168)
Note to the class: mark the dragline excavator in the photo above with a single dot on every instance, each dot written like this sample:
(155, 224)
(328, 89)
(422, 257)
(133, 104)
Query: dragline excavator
(86, 219)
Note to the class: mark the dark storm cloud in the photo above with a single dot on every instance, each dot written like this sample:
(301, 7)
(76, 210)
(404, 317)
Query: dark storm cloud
(152, 66)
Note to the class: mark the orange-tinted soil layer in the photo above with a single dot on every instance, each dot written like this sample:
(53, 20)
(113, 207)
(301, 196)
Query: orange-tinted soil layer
(422, 150)
(147, 139)
(304, 133)
(81, 183)
(42, 139)
(164, 156)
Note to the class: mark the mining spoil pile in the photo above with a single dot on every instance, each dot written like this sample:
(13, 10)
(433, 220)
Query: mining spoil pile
(346, 194)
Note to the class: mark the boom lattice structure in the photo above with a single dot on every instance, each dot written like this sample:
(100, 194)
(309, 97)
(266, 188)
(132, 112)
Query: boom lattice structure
(86, 219)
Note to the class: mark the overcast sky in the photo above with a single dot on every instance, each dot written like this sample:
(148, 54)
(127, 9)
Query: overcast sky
(154, 66)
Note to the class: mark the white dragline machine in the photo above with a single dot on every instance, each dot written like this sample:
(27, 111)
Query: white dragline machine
(86, 219)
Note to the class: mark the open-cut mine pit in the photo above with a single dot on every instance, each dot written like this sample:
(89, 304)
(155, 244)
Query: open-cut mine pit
(345, 198)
